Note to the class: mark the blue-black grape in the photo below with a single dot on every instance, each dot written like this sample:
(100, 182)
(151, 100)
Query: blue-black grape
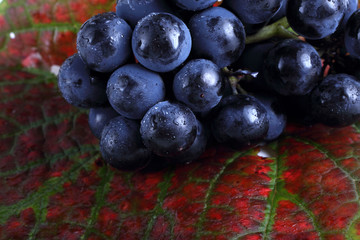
(315, 19)
(350, 7)
(199, 85)
(252, 59)
(79, 86)
(218, 35)
(121, 144)
(239, 119)
(103, 42)
(194, 5)
(132, 90)
(292, 67)
(336, 101)
(275, 114)
(196, 149)
(254, 12)
(281, 13)
(161, 42)
(168, 128)
(133, 10)
(352, 34)
(99, 117)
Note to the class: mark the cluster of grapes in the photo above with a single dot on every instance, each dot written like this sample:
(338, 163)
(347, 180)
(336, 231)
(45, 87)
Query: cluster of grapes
(158, 76)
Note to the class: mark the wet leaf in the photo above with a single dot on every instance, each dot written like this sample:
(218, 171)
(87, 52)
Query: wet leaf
(54, 184)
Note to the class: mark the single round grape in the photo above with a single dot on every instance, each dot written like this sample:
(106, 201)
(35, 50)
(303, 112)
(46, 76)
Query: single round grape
(121, 145)
(336, 101)
(194, 5)
(103, 42)
(168, 128)
(280, 13)
(350, 7)
(133, 10)
(275, 114)
(99, 117)
(161, 42)
(218, 35)
(132, 90)
(199, 85)
(241, 119)
(254, 12)
(196, 149)
(315, 19)
(79, 86)
(292, 67)
(352, 34)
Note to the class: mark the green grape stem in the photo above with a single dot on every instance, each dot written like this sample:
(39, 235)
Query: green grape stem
(234, 79)
(280, 28)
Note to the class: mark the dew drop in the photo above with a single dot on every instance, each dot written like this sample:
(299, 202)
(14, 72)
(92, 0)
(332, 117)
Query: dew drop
(12, 35)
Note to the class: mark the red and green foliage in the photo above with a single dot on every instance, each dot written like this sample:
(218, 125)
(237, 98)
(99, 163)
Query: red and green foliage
(54, 185)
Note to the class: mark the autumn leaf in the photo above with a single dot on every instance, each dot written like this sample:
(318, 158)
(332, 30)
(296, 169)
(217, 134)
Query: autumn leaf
(54, 184)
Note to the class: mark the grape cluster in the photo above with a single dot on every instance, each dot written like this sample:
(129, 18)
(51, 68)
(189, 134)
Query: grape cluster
(164, 79)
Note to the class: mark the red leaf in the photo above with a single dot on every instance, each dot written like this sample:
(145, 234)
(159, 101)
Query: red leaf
(55, 185)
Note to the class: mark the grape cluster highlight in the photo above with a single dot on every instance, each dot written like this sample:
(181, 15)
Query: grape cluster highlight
(165, 79)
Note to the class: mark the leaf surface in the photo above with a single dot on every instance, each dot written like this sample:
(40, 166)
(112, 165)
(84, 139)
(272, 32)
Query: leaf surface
(54, 184)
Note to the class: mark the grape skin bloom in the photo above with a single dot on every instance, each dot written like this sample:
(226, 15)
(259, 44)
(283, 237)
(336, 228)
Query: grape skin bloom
(199, 85)
(315, 19)
(133, 89)
(218, 35)
(103, 42)
(161, 42)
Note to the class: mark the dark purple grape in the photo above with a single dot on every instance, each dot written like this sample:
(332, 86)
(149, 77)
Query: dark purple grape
(281, 13)
(315, 19)
(103, 42)
(161, 42)
(292, 67)
(275, 114)
(79, 86)
(121, 145)
(218, 35)
(352, 34)
(196, 149)
(99, 117)
(336, 101)
(350, 7)
(132, 90)
(199, 85)
(168, 128)
(254, 12)
(194, 5)
(240, 119)
(133, 10)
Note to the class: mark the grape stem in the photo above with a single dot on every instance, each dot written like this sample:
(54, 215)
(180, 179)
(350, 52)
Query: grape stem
(234, 79)
(280, 28)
